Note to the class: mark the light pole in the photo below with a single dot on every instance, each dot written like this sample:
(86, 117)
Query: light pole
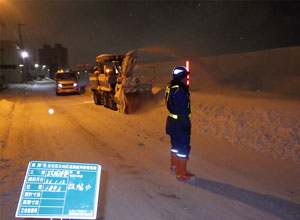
(44, 71)
(24, 55)
(36, 70)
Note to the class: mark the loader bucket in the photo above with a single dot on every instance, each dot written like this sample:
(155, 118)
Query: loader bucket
(135, 100)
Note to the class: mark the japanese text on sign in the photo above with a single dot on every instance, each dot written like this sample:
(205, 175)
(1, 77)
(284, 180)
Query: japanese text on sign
(60, 190)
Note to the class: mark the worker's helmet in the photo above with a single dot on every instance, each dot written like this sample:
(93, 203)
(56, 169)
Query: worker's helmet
(179, 72)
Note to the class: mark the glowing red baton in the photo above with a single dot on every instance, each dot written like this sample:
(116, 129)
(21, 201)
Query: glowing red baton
(187, 66)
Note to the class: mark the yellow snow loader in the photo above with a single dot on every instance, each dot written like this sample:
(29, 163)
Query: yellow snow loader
(114, 86)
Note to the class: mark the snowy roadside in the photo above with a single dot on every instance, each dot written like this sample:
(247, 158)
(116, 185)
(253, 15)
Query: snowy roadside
(227, 183)
(266, 125)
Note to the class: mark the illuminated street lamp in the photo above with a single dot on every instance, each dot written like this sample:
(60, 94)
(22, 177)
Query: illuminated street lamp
(24, 54)
(36, 71)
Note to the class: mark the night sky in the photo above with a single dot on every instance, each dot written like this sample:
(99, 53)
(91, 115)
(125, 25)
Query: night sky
(191, 28)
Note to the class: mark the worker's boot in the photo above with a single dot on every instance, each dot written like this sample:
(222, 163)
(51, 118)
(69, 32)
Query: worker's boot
(173, 164)
(181, 173)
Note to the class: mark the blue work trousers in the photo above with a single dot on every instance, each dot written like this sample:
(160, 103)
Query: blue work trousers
(181, 143)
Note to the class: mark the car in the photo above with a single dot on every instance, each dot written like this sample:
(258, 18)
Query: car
(66, 82)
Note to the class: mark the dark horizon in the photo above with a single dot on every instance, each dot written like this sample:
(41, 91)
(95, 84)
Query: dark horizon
(190, 28)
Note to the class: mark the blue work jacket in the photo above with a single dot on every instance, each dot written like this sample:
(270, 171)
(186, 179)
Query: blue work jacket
(178, 103)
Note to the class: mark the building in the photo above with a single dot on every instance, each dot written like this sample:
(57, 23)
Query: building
(54, 58)
(10, 63)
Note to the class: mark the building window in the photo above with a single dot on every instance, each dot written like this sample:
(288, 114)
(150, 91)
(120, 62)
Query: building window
(8, 67)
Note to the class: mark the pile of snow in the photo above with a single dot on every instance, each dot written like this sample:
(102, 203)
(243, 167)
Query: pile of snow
(276, 70)
(244, 98)
(264, 124)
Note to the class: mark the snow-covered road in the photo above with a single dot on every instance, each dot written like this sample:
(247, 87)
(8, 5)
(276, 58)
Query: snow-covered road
(231, 182)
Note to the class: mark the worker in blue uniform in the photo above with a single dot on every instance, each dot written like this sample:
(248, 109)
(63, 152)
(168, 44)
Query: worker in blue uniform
(178, 124)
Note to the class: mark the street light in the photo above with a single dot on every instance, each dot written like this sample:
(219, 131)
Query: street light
(24, 54)
(36, 65)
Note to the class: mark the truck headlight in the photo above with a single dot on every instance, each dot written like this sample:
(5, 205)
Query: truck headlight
(75, 84)
(60, 85)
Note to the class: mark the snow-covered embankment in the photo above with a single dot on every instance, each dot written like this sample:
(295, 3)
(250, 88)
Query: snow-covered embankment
(266, 125)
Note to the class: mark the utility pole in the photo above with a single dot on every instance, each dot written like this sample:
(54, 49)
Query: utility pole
(20, 35)
(25, 74)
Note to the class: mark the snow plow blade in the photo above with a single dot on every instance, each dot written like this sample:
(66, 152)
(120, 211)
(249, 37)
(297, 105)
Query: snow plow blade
(131, 95)
(135, 101)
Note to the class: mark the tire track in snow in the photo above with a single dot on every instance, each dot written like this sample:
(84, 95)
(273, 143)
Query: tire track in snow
(5, 134)
(92, 136)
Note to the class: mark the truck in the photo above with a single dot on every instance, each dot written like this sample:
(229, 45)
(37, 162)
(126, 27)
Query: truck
(113, 84)
(66, 82)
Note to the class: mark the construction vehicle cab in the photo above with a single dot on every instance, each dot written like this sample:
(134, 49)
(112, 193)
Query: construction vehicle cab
(66, 82)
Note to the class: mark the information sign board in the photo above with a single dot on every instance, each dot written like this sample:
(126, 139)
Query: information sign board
(60, 190)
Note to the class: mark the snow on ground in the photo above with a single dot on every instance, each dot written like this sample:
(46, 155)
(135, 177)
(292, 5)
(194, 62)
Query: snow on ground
(134, 153)
(6, 109)
(275, 71)
(266, 125)
(245, 151)
(249, 99)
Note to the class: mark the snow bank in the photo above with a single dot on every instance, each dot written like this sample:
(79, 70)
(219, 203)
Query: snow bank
(268, 121)
(276, 70)
(267, 125)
